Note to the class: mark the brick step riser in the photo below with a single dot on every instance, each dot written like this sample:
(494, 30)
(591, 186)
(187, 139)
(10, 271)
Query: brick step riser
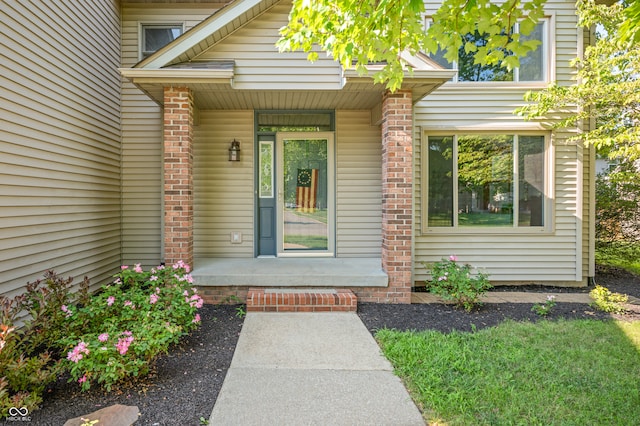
(259, 300)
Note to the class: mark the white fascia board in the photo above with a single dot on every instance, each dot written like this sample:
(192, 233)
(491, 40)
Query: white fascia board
(441, 75)
(141, 75)
(196, 35)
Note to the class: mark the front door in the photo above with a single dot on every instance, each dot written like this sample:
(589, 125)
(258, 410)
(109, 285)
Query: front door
(305, 211)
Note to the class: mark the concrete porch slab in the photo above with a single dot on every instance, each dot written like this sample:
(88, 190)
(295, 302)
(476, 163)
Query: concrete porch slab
(290, 272)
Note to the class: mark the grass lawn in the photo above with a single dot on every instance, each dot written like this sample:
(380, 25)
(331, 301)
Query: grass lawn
(620, 254)
(580, 372)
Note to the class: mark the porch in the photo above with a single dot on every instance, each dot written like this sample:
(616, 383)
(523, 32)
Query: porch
(289, 272)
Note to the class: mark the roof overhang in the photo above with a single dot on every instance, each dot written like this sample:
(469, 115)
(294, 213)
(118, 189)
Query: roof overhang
(214, 89)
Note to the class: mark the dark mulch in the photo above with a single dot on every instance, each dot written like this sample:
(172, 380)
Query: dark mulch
(186, 382)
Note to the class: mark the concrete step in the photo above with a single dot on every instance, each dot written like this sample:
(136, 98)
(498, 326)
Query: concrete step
(262, 299)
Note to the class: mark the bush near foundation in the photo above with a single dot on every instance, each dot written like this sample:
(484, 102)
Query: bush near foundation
(102, 339)
(453, 282)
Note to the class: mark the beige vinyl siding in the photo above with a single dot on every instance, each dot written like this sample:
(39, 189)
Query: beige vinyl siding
(558, 255)
(142, 145)
(223, 190)
(59, 141)
(259, 65)
(358, 185)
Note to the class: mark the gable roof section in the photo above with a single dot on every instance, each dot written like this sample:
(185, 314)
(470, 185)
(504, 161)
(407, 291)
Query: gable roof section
(209, 32)
(221, 80)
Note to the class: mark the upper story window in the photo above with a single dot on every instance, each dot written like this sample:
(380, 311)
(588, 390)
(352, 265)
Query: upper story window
(486, 181)
(156, 36)
(533, 67)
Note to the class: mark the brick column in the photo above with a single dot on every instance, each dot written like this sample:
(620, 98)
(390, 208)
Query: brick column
(397, 193)
(178, 175)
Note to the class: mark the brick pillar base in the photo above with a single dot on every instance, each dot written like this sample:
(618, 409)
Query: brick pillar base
(178, 175)
(397, 193)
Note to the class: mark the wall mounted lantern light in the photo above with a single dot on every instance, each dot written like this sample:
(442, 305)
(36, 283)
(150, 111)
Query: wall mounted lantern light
(234, 151)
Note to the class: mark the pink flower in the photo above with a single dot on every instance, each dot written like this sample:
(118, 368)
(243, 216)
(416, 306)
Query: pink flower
(117, 281)
(123, 344)
(123, 267)
(75, 355)
(110, 300)
(103, 337)
(153, 298)
(153, 278)
(129, 303)
(157, 290)
(196, 319)
(127, 333)
(137, 268)
(196, 301)
(453, 258)
(66, 310)
(82, 379)
(180, 264)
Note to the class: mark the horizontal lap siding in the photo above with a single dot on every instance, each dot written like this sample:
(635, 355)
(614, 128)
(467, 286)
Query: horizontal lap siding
(359, 185)
(260, 66)
(558, 256)
(59, 141)
(142, 140)
(223, 190)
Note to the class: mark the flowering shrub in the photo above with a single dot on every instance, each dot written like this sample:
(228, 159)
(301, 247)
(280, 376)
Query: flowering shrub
(452, 281)
(130, 322)
(546, 307)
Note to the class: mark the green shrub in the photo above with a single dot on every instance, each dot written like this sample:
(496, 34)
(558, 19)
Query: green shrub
(606, 301)
(617, 207)
(103, 339)
(453, 282)
(131, 322)
(28, 354)
(543, 309)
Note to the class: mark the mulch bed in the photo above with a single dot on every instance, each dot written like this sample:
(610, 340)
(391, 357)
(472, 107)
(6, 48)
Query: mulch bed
(185, 383)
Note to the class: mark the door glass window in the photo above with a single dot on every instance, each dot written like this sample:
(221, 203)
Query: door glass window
(305, 194)
(266, 169)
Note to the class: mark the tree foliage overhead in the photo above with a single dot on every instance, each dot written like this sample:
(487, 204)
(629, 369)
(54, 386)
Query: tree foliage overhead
(360, 32)
(608, 85)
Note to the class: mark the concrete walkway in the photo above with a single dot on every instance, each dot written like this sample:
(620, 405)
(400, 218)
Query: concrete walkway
(310, 369)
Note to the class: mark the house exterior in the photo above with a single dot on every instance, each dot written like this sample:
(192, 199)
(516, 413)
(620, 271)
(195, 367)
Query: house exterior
(120, 150)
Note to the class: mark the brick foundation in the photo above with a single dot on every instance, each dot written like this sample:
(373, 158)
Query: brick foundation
(178, 175)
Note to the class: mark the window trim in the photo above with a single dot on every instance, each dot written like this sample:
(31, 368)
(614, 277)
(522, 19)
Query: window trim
(549, 196)
(549, 55)
(158, 24)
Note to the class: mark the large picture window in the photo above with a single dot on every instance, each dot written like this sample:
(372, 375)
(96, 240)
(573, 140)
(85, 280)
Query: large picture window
(533, 67)
(486, 181)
